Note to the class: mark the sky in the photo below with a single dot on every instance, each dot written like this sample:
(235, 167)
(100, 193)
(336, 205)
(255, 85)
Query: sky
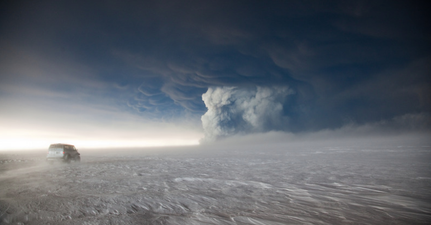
(162, 73)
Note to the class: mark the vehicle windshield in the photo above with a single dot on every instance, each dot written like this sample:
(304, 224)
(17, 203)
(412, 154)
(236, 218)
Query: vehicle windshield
(56, 146)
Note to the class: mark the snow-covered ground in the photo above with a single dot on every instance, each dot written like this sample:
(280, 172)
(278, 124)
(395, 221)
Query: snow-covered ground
(319, 185)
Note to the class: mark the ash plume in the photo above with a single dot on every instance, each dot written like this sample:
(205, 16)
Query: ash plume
(243, 110)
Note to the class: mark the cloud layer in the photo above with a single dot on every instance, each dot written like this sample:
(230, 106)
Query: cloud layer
(341, 62)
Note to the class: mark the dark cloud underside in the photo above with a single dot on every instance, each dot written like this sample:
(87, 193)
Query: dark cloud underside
(360, 61)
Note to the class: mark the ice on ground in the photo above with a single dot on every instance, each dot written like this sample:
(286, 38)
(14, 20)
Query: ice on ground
(302, 186)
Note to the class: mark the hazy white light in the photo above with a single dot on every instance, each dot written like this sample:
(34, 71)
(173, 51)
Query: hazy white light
(23, 143)
(33, 143)
(22, 139)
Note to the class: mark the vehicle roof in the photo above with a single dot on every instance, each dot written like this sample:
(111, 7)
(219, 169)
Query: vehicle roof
(61, 144)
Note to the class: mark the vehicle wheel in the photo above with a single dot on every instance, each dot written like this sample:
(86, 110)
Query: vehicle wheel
(67, 159)
(78, 158)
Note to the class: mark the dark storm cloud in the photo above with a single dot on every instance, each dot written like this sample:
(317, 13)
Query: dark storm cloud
(360, 61)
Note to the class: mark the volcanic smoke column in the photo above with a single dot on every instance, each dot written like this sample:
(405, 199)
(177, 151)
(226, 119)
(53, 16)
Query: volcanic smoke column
(235, 110)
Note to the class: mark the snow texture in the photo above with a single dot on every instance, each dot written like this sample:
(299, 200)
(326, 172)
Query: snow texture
(327, 185)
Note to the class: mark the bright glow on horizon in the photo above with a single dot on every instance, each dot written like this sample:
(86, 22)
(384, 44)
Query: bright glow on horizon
(43, 126)
(96, 136)
(40, 143)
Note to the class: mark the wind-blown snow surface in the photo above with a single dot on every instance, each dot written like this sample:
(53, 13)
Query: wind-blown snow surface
(299, 185)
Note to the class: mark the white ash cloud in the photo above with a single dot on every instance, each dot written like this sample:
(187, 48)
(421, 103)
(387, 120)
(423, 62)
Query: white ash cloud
(243, 110)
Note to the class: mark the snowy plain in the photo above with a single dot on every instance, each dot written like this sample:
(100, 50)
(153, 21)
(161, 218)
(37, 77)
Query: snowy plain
(346, 184)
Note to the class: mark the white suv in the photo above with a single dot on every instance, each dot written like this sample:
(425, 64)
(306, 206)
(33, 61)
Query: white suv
(64, 152)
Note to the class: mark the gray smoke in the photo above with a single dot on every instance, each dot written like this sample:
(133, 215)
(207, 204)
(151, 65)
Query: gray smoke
(235, 110)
